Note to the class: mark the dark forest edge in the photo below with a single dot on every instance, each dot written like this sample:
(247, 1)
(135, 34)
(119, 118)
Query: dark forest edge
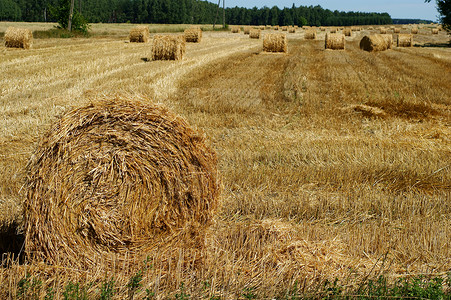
(186, 12)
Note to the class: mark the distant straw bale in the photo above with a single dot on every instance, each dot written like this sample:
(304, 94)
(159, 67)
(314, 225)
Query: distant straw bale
(434, 30)
(414, 30)
(284, 28)
(18, 38)
(139, 34)
(375, 42)
(247, 29)
(235, 29)
(112, 180)
(275, 42)
(396, 30)
(168, 47)
(405, 40)
(291, 29)
(255, 34)
(333, 30)
(310, 34)
(193, 35)
(335, 41)
(347, 31)
(276, 27)
(382, 30)
(322, 28)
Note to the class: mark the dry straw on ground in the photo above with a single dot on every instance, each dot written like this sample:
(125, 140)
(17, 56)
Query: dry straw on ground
(275, 42)
(168, 47)
(255, 33)
(347, 31)
(376, 42)
(405, 40)
(335, 41)
(115, 179)
(193, 35)
(310, 34)
(139, 34)
(18, 38)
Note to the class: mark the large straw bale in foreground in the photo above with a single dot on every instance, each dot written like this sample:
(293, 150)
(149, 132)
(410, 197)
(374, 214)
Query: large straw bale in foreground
(18, 38)
(193, 35)
(115, 179)
(310, 34)
(255, 33)
(335, 41)
(376, 42)
(275, 42)
(405, 40)
(168, 47)
(139, 34)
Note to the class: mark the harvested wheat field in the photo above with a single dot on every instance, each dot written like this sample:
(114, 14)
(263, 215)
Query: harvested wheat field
(330, 165)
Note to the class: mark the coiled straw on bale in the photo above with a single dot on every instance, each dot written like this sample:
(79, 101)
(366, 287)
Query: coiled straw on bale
(405, 40)
(193, 35)
(335, 41)
(115, 179)
(275, 42)
(168, 47)
(310, 34)
(139, 34)
(18, 38)
(376, 42)
(255, 33)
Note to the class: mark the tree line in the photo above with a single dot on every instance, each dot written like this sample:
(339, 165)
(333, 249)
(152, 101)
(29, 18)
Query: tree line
(186, 12)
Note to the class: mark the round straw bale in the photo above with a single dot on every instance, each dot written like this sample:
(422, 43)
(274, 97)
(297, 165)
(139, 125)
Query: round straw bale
(139, 34)
(434, 30)
(275, 42)
(335, 41)
(168, 47)
(405, 40)
(382, 30)
(193, 35)
(310, 34)
(235, 29)
(276, 27)
(117, 177)
(255, 33)
(333, 30)
(322, 28)
(284, 28)
(291, 29)
(263, 27)
(414, 30)
(18, 38)
(396, 30)
(247, 29)
(347, 31)
(375, 42)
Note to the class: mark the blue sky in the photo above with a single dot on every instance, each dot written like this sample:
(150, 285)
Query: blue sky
(396, 8)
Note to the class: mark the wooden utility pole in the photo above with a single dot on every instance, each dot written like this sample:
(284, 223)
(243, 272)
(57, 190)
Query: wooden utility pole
(217, 12)
(223, 14)
(71, 13)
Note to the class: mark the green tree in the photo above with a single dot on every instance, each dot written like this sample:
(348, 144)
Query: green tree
(444, 8)
(61, 13)
(9, 11)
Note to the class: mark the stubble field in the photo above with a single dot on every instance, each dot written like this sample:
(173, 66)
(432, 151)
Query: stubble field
(334, 164)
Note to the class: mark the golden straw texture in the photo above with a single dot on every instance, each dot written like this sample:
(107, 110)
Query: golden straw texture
(275, 42)
(254, 33)
(376, 42)
(116, 178)
(193, 35)
(310, 34)
(139, 34)
(335, 41)
(18, 38)
(405, 40)
(168, 47)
